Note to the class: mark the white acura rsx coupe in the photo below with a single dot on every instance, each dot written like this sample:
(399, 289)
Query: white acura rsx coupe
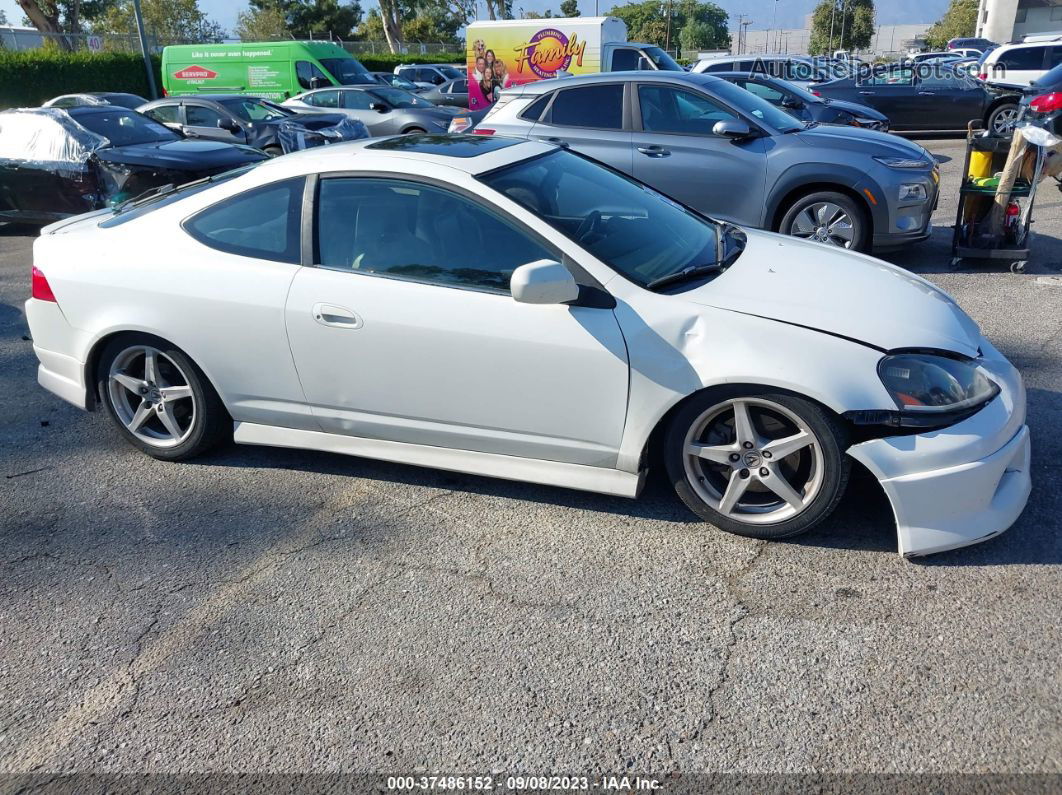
(510, 308)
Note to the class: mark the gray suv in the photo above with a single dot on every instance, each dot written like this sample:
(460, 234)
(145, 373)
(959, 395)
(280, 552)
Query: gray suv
(732, 155)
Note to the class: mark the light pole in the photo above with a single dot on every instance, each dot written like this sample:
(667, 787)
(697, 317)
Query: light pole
(144, 49)
(833, 14)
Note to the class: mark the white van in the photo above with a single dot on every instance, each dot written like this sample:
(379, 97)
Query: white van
(512, 52)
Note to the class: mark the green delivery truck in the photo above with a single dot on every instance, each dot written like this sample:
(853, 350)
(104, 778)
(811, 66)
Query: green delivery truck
(274, 69)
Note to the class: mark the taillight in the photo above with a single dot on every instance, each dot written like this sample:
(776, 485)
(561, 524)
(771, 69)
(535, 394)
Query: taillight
(983, 76)
(482, 131)
(1045, 103)
(816, 93)
(41, 290)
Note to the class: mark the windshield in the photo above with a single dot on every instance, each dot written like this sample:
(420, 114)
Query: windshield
(348, 71)
(397, 98)
(661, 60)
(640, 233)
(124, 127)
(755, 106)
(251, 109)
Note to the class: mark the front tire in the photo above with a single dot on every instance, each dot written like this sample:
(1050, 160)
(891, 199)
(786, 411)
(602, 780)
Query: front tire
(828, 217)
(160, 401)
(758, 463)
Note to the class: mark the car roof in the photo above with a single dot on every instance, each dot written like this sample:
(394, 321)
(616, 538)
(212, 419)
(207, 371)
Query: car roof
(86, 110)
(543, 86)
(405, 153)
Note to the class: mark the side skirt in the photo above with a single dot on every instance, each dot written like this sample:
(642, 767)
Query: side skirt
(528, 470)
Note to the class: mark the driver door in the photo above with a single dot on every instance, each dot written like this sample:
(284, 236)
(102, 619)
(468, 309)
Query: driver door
(676, 152)
(406, 331)
(201, 121)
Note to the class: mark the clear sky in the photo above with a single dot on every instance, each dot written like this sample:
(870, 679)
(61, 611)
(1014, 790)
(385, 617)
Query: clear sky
(789, 13)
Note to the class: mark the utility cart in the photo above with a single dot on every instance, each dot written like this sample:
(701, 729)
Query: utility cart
(979, 232)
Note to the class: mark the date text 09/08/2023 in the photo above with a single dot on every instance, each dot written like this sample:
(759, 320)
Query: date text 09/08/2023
(519, 783)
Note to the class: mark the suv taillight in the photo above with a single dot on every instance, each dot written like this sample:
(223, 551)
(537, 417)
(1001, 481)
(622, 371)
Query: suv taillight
(41, 290)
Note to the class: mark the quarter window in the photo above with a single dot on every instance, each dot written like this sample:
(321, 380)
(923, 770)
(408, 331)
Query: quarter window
(534, 110)
(412, 231)
(600, 107)
(263, 223)
(671, 110)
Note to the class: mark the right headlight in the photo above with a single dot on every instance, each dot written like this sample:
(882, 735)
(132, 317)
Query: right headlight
(925, 383)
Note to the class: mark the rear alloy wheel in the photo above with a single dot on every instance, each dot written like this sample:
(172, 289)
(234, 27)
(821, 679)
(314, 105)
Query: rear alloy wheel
(764, 465)
(827, 217)
(1001, 120)
(159, 399)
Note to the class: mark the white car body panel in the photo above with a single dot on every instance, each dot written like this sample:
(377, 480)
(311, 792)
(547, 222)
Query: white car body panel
(472, 381)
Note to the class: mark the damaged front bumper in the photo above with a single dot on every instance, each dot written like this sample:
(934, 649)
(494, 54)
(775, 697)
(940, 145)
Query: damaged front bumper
(962, 484)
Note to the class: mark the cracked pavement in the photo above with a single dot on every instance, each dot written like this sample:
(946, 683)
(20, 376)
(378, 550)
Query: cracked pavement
(274, 610)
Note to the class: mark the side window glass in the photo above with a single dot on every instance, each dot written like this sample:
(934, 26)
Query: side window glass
(305, 72)
(459, 87)
(533, 112)
(418, 232)
(676, 111)
(894, 77)
(772, 95)
(1054, 57)
(166, 114)
(198, 116)
(326, 99)
(596, 106)
(1024, 58)
(263, 223)
(357, 100)
(625, 60)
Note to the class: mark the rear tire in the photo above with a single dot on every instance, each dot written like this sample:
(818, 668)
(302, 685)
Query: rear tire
(413, 131)
(1001, 120)
(759, 463)
(828, 217)
(159, 399)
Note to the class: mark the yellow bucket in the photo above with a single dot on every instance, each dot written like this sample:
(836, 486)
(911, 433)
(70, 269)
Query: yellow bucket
(980, 165)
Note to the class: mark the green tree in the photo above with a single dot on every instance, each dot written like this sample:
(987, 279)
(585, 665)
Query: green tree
(547, 14)
(959, 20)
(841, 25)
(420, 21)
(267, 24)
(316, 18)
(62, 16)
(647, 21)
(167, 20)
(569, 8)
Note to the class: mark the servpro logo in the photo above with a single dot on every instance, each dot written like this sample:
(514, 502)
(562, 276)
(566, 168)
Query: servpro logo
(549, 51)
(195, 73)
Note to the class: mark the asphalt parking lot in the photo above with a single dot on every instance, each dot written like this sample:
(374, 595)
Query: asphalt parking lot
(272, 610)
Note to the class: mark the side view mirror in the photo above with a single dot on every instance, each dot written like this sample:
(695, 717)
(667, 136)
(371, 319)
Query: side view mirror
(379, 107)
(732, 129)
(543, 282)
(228, 124)
(316, 82)
(792, 104)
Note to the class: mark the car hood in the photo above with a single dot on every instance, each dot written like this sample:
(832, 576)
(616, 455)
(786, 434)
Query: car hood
(190, 155)
(864, 111)
(841, 293)
(858, 139)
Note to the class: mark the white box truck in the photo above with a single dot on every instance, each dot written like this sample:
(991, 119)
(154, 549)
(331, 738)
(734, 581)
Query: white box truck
(511, 52)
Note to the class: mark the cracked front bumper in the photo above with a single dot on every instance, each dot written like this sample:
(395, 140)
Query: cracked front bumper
(958, 485)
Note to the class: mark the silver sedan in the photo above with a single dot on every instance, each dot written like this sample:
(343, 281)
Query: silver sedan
(383, 110)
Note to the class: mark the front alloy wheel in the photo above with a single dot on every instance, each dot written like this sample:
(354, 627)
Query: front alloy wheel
(766, 465)
(830, 218)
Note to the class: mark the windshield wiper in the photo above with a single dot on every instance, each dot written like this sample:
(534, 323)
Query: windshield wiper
(684, 275)
(150, 193)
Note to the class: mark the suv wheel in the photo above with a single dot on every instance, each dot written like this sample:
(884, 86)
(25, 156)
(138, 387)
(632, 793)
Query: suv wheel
(827, 217)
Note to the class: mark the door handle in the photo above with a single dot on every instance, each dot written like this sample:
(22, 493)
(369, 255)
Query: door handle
(867, 93)
(654, 151)
(558, 141)
(337, 316)
(927, 93)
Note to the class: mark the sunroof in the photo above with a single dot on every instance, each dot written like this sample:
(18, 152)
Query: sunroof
(449, 145)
